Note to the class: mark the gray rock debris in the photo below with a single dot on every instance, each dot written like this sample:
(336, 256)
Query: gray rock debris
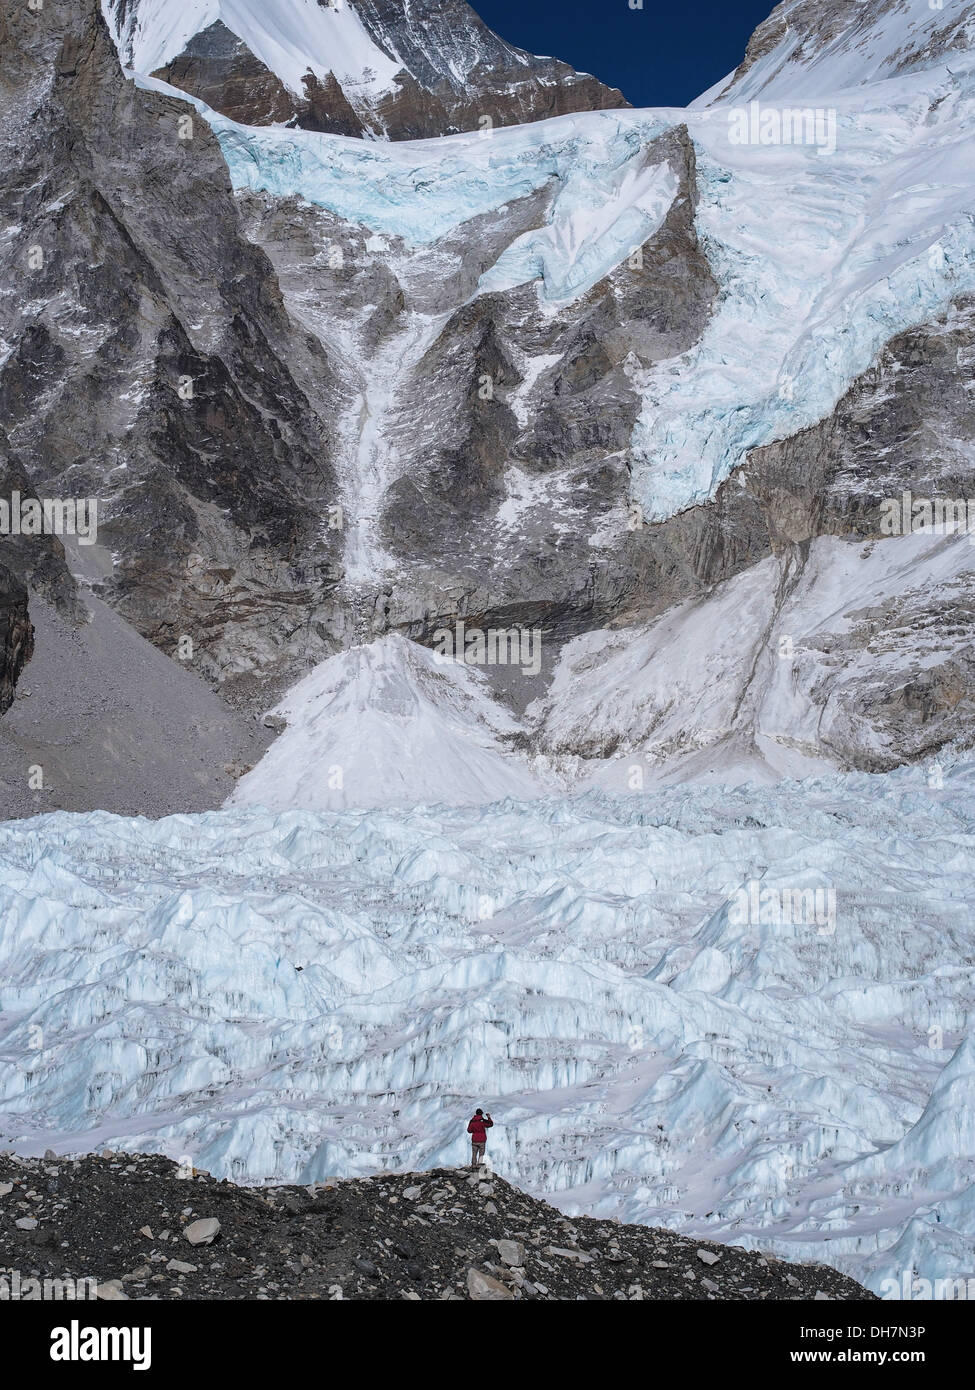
(203, 1231)
(485, 1288)
(511, 1252)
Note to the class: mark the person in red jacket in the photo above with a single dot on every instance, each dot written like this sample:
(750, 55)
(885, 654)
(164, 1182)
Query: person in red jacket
(477, 1129)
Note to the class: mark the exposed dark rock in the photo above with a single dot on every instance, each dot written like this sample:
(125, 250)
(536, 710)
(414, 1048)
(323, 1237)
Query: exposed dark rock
(16, 635)
(220, 69)
(153, 364)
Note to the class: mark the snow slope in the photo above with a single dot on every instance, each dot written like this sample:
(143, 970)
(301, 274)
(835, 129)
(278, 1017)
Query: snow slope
(293, 995)
(806, 47)
(388, 724)
(770, 675)
(291, 37)
(773, 674)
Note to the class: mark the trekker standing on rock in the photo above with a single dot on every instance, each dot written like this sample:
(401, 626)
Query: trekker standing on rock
(477, 1129)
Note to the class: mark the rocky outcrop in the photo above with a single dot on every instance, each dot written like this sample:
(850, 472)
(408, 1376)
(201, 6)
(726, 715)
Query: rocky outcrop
(29, 565)
(39, 561)
(902, 425)
(16, 635)
(220, 69)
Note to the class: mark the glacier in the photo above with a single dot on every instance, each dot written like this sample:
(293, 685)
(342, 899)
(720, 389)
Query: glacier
(292, 994)
(821, 256)
(401, 914)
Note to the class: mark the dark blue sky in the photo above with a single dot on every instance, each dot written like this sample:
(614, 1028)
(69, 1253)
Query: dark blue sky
(663, 55)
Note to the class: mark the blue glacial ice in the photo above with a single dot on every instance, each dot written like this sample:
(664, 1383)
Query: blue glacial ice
(580, 965)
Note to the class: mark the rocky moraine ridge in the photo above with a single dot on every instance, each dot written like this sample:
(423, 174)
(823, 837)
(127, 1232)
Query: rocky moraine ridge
(143, 1228)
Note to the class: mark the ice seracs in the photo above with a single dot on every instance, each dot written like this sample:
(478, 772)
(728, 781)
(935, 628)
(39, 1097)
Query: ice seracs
(581, 967)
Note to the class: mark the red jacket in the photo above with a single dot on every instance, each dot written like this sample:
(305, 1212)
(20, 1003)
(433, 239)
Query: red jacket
(478, 1128)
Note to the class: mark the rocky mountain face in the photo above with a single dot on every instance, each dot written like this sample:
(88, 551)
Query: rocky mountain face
(496, 477)
(555, 428)
(459, 418)
(857, 646)
(28, 564)
(139, 1226)
(16, 635)
(604, 376)
(151, 363)
(354, 67)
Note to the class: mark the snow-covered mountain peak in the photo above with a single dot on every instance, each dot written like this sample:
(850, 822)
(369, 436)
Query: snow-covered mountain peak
(290, 37)
(353, 67)
(807, 48)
